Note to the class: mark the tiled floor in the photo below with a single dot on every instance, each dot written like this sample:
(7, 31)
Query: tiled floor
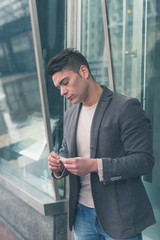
(5, 234)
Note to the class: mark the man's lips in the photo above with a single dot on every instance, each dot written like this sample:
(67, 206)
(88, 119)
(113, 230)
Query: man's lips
(70, 97)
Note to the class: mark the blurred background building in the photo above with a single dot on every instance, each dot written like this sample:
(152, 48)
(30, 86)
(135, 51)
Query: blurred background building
(121, 40)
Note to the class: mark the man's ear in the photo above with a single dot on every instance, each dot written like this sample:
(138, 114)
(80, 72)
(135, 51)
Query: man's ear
(83, 71)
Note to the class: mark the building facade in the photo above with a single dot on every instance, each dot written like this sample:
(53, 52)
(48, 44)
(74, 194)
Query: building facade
(121, 40)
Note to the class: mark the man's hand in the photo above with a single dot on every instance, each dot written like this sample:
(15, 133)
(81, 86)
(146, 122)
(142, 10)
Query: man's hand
(54, 162)
(80, 166)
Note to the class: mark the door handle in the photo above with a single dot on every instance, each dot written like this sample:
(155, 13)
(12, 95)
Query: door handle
(133, 53)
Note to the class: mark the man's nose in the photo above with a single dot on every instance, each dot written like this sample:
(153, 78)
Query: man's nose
(63, 91)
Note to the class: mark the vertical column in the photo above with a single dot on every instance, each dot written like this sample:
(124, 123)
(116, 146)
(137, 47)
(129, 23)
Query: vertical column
(107, 43)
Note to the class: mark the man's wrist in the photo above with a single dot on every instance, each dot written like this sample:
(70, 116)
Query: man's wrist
(94, 165)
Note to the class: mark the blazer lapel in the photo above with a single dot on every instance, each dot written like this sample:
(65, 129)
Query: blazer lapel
(72, 145)
(101, 107)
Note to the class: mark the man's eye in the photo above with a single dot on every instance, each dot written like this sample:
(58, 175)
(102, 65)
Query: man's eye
(65, 83)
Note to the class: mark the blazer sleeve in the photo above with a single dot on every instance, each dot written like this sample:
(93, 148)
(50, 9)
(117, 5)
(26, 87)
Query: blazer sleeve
(135, 132)
(63, 152)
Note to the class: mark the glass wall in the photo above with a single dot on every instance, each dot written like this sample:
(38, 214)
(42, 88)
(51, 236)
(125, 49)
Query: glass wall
(134, 32)
(23, 148)
(134, 36)
(92, 39)
(152, 84)
(52, 26)
(126, 41)
(134, 28)
(138, 59)
(53, 40)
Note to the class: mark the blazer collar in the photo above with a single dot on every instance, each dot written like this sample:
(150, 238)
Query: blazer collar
(101, 107)
(73, 146)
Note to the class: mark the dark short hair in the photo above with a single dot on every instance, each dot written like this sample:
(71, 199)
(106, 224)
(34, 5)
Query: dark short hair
(68, 59)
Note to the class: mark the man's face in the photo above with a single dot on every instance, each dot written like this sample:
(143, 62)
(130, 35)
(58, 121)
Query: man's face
(72, 85)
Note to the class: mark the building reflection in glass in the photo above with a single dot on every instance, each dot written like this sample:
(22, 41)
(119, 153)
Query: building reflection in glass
(23, 150)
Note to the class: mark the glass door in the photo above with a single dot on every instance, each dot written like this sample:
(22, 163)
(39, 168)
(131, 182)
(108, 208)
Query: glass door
(134, 30)
(132, 48)
(92, 39)
(87, 31)
(134, 42)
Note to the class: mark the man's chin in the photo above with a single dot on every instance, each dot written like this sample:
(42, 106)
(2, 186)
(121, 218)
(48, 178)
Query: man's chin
(74, 101)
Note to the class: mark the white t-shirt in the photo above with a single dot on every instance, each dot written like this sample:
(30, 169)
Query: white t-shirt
(83, 150)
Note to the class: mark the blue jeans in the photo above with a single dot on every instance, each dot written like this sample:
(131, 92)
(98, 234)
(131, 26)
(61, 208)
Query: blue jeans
(87, 226)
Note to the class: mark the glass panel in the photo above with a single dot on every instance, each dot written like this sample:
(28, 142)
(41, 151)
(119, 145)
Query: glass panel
(135, 46)
(152, 84)
(115, 26)
(136, 58)
(92, 39)
(125, 28)
(53, 40)
(23, 148)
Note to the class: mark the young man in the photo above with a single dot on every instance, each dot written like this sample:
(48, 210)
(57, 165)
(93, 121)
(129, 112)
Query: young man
(106, 149)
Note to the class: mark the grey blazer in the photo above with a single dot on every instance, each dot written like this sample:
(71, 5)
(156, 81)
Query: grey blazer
(121, 136)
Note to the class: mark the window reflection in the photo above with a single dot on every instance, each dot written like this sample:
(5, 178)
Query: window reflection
(152, 98)
(92, 39)
(135, 47)
(23, 149)
(10, 10)
(52, 26)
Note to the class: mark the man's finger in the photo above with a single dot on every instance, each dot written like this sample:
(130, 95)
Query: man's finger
(66, 160)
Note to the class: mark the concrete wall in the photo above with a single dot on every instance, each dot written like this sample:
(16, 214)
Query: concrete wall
(26, 223)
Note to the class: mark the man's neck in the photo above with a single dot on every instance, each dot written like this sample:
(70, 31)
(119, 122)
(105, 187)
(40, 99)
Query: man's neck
(95, 93)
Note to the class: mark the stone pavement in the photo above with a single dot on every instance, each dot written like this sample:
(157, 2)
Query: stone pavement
(5, 234)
